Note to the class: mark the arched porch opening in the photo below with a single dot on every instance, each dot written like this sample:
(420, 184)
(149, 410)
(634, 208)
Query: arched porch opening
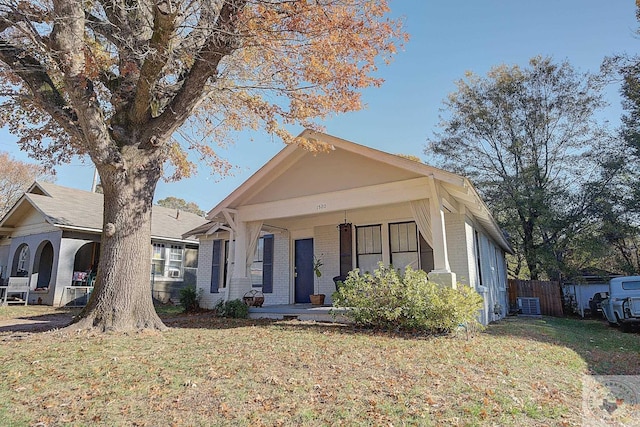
(20, 264)
(86, 258)
(43, 265)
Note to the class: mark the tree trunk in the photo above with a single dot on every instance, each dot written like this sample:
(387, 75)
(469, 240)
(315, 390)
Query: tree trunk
(121, 300)
(529, 250)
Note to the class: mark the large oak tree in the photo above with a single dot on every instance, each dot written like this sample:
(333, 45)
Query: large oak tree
(144, 87)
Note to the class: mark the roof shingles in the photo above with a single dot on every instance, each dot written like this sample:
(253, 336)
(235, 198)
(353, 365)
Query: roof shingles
(69, 207)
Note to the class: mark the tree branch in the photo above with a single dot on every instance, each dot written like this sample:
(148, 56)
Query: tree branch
(68, 39)
(41, 86)
(163, 31)
(131, 23)
(105, 29)
(221, 43)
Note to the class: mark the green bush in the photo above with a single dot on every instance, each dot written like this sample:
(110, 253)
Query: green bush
(235, 309)
(393, 301)
(190, 299)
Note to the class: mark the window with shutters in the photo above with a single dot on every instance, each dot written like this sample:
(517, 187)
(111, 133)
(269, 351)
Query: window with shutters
(262, 265)
(216, 261)
(257, 264)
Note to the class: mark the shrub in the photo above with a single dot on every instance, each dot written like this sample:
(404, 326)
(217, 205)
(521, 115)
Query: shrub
(190, 299)
(235, 309)
(393, 301)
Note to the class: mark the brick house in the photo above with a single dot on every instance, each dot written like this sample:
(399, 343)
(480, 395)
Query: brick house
(350, 207)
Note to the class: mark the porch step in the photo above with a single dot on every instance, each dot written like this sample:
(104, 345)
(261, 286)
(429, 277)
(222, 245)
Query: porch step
(299, 312)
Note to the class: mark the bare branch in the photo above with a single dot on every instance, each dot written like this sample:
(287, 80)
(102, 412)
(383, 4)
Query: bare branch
(160, 44)
(222, 42)
(41, 86)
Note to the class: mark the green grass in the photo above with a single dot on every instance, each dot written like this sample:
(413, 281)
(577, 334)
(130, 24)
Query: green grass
(606, 350)
(169, 310)
(210, 371)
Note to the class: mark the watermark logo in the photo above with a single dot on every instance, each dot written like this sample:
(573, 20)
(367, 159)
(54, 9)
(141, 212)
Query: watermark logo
(611, 400)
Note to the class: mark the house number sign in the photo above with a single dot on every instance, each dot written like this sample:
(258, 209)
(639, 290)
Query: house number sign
(321, 206)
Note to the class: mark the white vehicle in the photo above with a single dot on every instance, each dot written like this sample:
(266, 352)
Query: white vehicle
(622, 307)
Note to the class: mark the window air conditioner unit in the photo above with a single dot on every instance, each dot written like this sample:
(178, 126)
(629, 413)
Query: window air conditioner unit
(174, 273)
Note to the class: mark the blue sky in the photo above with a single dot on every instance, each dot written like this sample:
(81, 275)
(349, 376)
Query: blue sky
(448, 37)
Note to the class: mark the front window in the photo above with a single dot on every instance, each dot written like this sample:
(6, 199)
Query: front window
(23, 260)
(158, 259)
(258, 264)
(403, 242)
(227, 248)
(175, 260)
(167, 260)
(369, 247)
(478, 258)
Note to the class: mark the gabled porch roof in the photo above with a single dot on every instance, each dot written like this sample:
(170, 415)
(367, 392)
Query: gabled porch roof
(348, 176)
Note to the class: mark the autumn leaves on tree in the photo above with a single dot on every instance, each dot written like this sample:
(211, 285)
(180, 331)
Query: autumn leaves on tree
(144, 89)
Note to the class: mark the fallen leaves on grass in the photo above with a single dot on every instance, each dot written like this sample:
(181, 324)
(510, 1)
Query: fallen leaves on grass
(210, 371)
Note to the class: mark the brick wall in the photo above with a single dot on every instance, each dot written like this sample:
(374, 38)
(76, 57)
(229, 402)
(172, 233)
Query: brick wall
(203, 281)
(457, 246)
(281, 270)
(326, 246)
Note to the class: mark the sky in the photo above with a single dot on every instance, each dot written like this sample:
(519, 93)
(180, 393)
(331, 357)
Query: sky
(447, 38)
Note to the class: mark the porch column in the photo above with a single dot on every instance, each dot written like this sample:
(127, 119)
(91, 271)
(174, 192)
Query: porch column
(441, 273)
(239, 283)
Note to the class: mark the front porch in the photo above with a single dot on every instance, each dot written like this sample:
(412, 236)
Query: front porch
(322, 313)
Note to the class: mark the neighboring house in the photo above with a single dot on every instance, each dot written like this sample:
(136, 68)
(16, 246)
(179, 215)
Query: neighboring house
(52, 235)
(351, 207)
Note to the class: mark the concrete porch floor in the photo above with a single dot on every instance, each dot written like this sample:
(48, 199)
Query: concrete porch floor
(318, 313)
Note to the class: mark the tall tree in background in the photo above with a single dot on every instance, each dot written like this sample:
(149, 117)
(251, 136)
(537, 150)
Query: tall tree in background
(623, 221)
(140, 86)
(621, 218)
(15, 179)
(181, 204)
(528, 139)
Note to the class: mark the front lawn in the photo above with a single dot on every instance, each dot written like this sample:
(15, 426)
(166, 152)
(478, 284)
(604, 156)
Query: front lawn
(208, 371)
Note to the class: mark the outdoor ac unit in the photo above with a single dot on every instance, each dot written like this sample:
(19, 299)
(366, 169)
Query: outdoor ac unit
(529, 306)
(174, 273)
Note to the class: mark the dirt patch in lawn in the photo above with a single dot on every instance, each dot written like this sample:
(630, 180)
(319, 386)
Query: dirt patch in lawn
(17, 321)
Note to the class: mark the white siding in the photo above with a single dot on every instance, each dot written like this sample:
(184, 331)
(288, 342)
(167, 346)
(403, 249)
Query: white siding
(494, 279)
(31, 224)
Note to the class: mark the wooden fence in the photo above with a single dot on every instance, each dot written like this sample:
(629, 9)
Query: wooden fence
(548, 293)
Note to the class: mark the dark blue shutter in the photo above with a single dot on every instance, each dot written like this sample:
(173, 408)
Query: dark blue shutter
(346, 249)
(215, 266)
(267, 264)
